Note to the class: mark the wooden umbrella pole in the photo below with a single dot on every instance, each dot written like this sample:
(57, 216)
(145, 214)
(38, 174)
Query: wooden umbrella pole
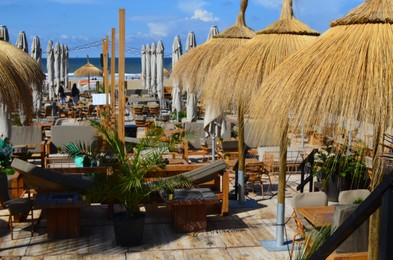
(241, 161)
(105, 69)
(121, 102)
(281, 188)
(113, 81)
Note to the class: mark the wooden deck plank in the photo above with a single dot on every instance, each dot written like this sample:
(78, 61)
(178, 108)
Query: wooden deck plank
(235, 236)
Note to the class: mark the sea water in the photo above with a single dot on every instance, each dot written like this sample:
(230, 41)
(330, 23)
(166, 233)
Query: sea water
(132, 65)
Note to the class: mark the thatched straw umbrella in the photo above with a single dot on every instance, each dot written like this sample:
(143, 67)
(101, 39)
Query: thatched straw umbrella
(88, 70)
(237, 77)
(17, 71)
(192, 68)
(346, 75)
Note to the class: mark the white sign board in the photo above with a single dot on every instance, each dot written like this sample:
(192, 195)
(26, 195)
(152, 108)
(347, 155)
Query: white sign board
(99, 99)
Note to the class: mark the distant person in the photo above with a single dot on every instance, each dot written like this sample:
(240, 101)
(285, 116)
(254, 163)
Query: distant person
(61, 93)
(75, 94)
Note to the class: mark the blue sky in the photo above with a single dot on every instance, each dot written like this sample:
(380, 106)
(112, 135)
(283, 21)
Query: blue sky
(84, 23)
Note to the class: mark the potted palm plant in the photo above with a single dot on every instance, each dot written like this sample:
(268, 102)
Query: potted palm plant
(340, 169)
(127, 185)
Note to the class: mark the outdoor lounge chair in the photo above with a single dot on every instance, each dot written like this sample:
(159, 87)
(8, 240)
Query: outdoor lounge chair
(210, 173)
(43, 179)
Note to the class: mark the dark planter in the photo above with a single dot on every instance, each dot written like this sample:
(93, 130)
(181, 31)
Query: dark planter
(128, 228)
(336, 184)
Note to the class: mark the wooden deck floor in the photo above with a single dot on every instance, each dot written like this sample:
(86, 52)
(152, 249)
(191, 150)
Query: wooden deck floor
(236, 236)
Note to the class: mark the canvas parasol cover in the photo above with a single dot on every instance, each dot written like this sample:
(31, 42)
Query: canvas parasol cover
(66, 65)
(148, 67)
(192, 100)
(21, 42)
(143, 66)
(4, 36)
(57, 55)
(160, 69)
(62, 62)
(36, 54)
(212, 32)
(50, 67)
(176, 91)
(153, 69)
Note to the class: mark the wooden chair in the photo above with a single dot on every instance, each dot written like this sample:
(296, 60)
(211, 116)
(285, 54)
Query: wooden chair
(300, 200)
(90, 112)
(18, 208)
(154, 110)
(137, 109)
(268, 161)
(254, 171)
(140, 120)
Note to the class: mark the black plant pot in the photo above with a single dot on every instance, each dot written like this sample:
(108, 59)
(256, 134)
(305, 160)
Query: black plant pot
(336, 184)
(128, 228)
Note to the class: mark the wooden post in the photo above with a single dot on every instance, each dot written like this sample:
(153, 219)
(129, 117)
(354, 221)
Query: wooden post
(105, 69)
(121, 61)
(113, 80)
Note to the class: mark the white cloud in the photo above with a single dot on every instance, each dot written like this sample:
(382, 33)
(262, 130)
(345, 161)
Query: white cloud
(64, 37)
(190, 6)
(204, 16)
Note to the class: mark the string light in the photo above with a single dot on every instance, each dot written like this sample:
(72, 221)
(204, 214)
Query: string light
(98, 44)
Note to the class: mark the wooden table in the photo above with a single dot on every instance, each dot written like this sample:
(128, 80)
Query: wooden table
(189, 208)
(318, 216)
(62, 213)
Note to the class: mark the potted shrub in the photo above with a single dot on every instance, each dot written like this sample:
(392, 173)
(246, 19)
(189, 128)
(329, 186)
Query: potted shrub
(127, 185)
(340, 170)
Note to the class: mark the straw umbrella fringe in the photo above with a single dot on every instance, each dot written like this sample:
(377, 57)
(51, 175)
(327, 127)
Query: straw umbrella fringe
(18, 70)
(346, 76)
(193, 67)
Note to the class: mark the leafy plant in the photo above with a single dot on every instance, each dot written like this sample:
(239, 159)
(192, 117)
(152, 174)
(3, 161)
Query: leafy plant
(357, 201)
(349, 165)
(7, 170)
(91, 155)
(127, 183)
(314, 240)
